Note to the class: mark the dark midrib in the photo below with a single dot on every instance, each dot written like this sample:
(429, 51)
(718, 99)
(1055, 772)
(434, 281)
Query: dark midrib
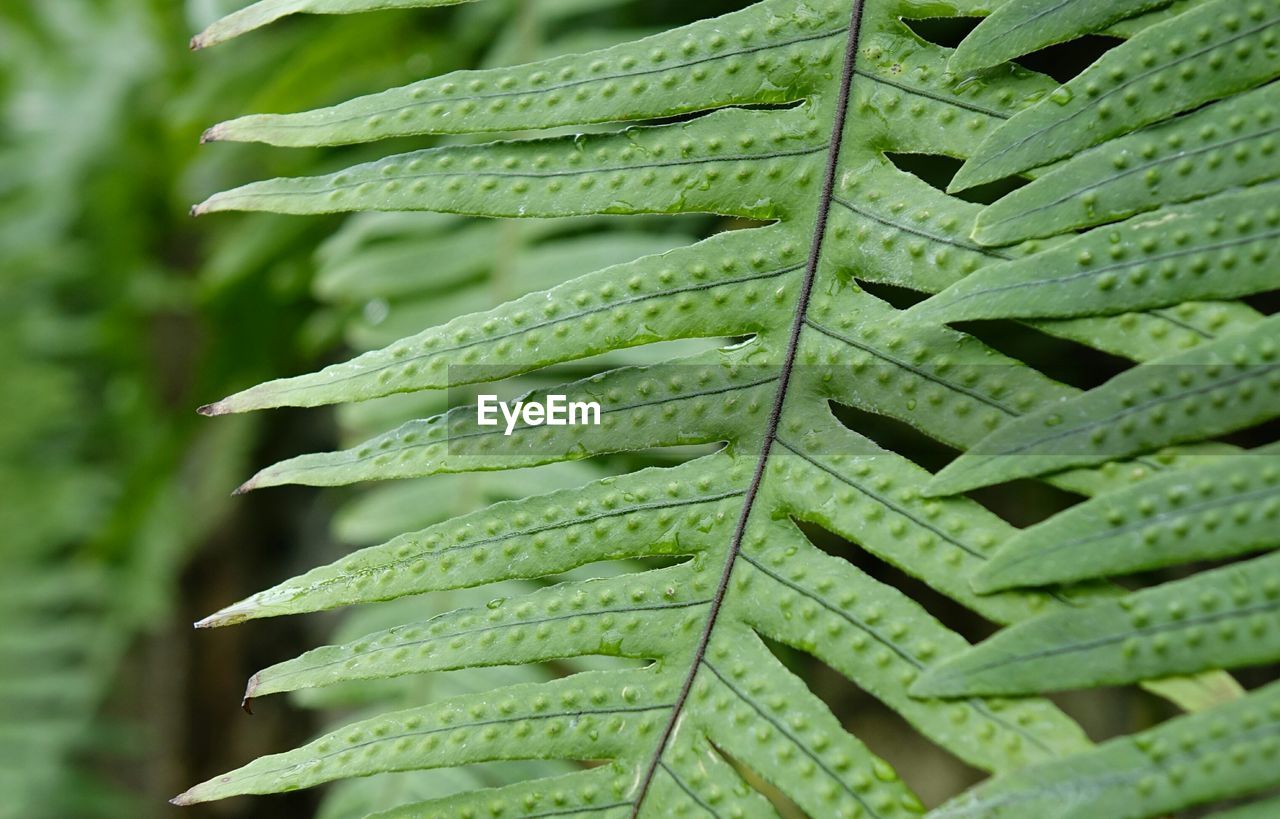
(779, 399)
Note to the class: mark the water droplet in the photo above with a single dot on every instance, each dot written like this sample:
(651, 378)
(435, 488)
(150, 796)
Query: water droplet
(376, 311)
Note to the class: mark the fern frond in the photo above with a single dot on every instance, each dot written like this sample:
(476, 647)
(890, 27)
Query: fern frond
(797, 107)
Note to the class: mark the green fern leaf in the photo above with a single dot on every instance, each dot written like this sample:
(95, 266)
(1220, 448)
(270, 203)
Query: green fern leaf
(1153, 524)
(796, 106)
(1221, 387)
(662, 297)
(513, 539)
(1175, 161)
(265, 12)
(1219, 248)
(1217, 619)
(1021, 26)
(1213, 50)
(625, 82)
(1186, 761)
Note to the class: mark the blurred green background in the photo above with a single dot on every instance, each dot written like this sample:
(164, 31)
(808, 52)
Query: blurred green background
(120, 314)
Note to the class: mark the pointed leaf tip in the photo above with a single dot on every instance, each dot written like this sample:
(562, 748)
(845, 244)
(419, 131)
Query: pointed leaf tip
(934, 685)
(229, 616)
(930, 311)
(941, 485)
(250, 691)
(987, 582)
(221, 407)
(960, 182)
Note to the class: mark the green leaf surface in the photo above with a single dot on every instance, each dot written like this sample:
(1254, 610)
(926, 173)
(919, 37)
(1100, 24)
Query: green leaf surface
(1186, 761)
(598, 792)
(1224, 618)
(1132, 25)
(589, 716)
(1225, 145)
(655, 298)
(804, 114)
(1217, 48)
(717, 399)
(627, 516)
(265, 12)
(1019, 27)
(1212, 511)
(1221, 387)
(1220, 248)
(696, 68)
(638, 615)
(887, 640)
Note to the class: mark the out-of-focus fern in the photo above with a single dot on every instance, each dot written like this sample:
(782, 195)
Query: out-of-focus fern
(797, 106)
(101, 490)
(55, 650)
(59, 625)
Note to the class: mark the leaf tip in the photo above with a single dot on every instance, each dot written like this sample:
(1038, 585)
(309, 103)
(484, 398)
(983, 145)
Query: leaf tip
(986, 231)
(958, 183)
(931, 685)
(973, 172)
(249, 690)
(924, 312)
(966, 61)
(229, 616)
(982, 582)
(216, 408)
(246, 487)
(961, 475)
(211, 134)
(938, 487)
